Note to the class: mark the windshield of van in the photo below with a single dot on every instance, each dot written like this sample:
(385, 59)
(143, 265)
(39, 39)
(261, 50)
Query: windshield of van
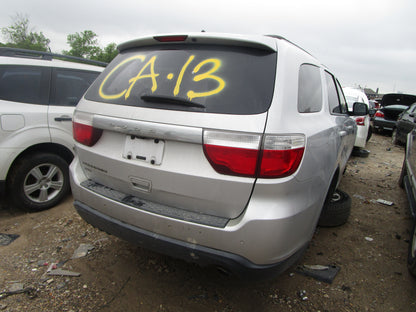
(212, 79)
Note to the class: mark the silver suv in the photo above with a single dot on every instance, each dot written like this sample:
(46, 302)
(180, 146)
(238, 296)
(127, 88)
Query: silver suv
(217, 149)
(38, 94)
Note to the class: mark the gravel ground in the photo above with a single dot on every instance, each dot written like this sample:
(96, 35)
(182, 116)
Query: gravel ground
(113, 275)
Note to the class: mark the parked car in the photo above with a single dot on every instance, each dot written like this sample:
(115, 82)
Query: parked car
(392, 105)
(38, 94)
(218, 149)
(405, 124)
(364, 129)
(408, 182)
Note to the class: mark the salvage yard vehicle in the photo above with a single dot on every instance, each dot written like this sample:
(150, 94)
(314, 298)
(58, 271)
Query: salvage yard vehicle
(408, 182)
(38, 94)
(392, 105)
(364, 129)
(406, 122)
(219, 149)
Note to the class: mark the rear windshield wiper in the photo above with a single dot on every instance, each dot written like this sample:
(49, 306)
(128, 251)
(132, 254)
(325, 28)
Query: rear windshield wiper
(170, 100)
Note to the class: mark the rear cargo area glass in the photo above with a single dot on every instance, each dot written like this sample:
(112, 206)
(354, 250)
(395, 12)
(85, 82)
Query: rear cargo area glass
(219, 79)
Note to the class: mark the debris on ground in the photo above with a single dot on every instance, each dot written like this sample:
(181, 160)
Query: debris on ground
(82, 251)
(6, 239)
(323, 273)
(385, 202)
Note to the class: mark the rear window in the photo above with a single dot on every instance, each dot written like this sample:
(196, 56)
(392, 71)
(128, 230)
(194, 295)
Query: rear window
(213, 79)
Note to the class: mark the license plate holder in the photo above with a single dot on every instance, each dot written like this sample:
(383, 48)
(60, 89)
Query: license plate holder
(146, 150)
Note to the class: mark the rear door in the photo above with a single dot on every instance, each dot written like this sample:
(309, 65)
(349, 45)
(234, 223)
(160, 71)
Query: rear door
(67, 88)
(345, 126)
(160, 106)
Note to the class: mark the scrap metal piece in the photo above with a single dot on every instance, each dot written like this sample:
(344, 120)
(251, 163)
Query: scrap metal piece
(321, 273)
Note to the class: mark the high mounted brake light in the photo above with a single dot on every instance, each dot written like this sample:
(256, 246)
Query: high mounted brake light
(171, 38)
(242, 154)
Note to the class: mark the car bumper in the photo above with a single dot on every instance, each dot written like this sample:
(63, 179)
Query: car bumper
(382, 124)
(268, 237)
(190, 252)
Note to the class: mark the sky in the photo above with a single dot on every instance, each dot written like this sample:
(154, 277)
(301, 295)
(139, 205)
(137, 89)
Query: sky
(367, 43)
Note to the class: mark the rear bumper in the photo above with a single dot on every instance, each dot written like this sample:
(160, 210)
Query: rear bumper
(189, 252)
(383, 124)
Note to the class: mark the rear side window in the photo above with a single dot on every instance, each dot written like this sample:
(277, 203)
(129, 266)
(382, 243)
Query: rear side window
(26, 84)
(213, 79)
(336, 100)
(69, 85)
(310, 89)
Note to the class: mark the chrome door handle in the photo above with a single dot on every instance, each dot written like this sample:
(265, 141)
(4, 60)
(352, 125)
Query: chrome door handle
(343, 133)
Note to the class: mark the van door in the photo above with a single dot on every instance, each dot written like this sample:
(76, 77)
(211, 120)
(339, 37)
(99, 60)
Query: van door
(345, 126)
(68, 86)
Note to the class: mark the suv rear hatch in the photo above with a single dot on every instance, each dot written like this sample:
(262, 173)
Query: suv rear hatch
(179, 122)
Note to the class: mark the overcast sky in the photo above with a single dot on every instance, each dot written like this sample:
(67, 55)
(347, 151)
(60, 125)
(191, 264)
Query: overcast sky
(371, 43)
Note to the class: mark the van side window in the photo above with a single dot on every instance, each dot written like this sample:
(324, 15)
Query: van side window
(310, 89)
(25, 84)
(68, 85)
(333, 99)
(342, 100)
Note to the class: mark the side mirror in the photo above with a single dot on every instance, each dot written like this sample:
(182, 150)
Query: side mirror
(359, 109)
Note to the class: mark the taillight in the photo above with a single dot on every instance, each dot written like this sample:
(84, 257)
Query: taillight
(242, 154)
(360, 121)
(83, 130)
(281, 155)
(379, 114)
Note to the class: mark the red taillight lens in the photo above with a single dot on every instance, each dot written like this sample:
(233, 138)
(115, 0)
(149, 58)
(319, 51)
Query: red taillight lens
(231, 160)
(379, 114)
(279, 164)
(170, 38)
(360, 121)
(240, 154)
(83, 130)
(86, 134)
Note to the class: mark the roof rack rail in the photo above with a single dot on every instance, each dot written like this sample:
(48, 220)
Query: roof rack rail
(15, 52)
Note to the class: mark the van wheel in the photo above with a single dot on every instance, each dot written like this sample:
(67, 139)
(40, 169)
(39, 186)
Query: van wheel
(336, 210)
(411, 260)
(39, 181)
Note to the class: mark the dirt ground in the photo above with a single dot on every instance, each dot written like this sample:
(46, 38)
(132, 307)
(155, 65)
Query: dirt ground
(370, 250)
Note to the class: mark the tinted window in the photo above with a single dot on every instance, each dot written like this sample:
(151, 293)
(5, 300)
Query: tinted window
(342, 100)
(27, 84)
(68, 85)
(216, 79)
(310, 89)
(333, 98)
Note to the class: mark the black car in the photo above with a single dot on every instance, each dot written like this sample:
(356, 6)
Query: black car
(405, 124)
(392, 105)
(407, 181)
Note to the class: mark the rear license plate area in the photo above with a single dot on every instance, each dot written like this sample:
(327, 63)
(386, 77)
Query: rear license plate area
(146, 150)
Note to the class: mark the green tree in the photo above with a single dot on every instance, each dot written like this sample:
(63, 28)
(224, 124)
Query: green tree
(108, 53)
(84, 44)
(19, 35)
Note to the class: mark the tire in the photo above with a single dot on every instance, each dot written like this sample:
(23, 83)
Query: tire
(369, 134)
(39, 181)
(336, 210)
(411, 259)
(394, 139)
